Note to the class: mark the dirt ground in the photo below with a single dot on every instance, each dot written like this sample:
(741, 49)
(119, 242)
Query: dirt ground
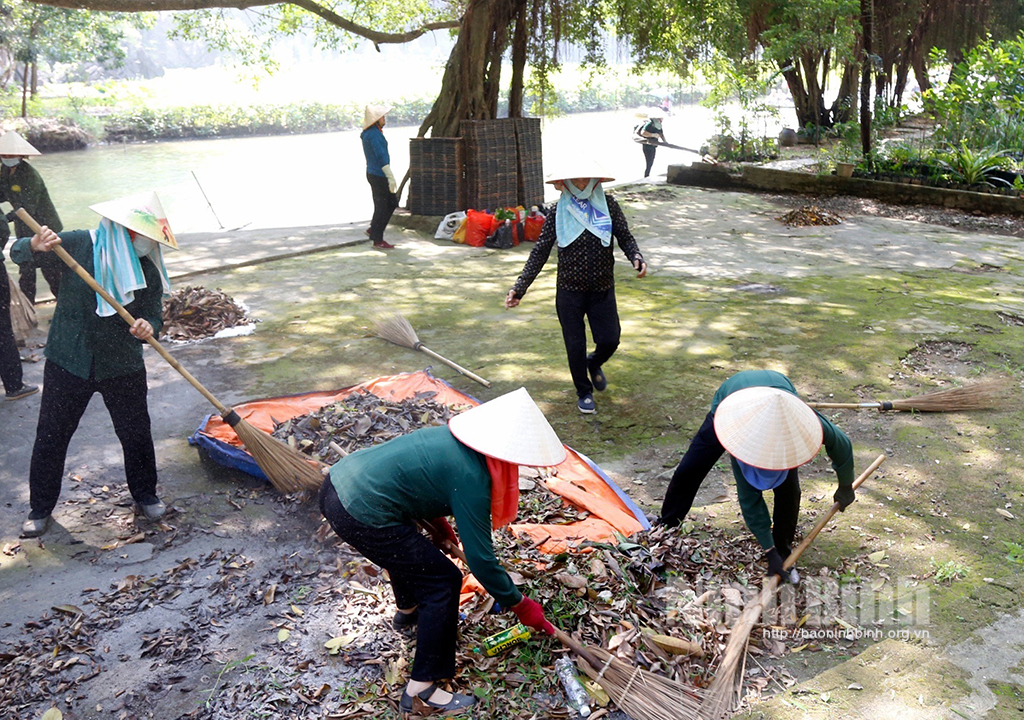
(109, 616)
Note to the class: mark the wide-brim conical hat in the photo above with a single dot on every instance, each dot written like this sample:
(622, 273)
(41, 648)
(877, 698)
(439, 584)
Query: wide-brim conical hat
(373, 113)
(574, 169)
(655, 113)
(768, 428)
(11, 143)
(510, 428)
(142, 213)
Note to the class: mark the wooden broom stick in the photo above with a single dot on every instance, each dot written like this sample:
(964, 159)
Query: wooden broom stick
(720, 696)
(985, 395)
(287, 469)
(396, 329)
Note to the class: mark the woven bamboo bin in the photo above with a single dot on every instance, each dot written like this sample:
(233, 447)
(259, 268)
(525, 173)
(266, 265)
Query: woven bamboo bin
(492, 165)
(530, 187)
(437, 183)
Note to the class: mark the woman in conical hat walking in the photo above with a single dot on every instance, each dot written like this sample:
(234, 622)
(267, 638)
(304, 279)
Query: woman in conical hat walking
(582, 224)
(467, 469)
(91, 350)
(769, 433)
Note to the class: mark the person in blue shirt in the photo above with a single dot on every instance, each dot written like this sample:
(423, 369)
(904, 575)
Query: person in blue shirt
(378, 173)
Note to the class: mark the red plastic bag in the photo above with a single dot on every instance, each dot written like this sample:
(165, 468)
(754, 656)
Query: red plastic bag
(534, 223)
(479, 226)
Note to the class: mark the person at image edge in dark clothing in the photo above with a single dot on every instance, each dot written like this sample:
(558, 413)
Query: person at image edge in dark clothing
(90, 349)
(582, 224)
(469, 469)
(652, 131)
(769, 432)
(10, 360)
(378, 173)
(23, 187)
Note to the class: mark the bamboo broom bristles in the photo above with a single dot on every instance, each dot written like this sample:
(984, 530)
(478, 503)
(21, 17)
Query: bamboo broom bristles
(985, 395)
(722, 693)
(396, 329)
(287, 469)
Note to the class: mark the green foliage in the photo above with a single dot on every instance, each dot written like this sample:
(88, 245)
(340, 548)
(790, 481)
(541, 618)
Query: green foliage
(974, 167)
(949, 571)
(982, 104)
(1015, 552)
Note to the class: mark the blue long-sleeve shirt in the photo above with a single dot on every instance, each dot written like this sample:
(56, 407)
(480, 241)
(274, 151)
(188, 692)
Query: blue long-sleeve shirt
(375, 148)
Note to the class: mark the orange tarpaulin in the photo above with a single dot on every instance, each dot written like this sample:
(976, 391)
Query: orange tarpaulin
(577, 480)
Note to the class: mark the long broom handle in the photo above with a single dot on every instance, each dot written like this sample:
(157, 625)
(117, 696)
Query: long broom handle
(223, 409)
(423, 348)
(795, 555)
(852, 406)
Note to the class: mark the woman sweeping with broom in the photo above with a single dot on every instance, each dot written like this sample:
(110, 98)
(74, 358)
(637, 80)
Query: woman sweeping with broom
(468, 469)
(89, 350)
(768, 432)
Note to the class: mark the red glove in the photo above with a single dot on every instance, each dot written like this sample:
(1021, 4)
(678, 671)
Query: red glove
(445, 529)
(531, 614)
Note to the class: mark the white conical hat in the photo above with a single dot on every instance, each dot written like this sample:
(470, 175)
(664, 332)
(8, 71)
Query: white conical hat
(655, 113)
(768, 428)
(579, 169)
(11, 143)
(510, 428)
(142, 213)
(373, 113)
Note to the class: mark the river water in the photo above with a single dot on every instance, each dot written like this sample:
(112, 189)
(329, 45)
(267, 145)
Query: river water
(318, 179)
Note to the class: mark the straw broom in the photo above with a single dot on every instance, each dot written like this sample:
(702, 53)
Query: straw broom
(286, 468)
(396, 329)
(639, 693)
(980, 396)
(723, 691)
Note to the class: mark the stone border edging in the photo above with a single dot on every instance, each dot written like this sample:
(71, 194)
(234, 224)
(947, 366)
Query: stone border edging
(768, 180)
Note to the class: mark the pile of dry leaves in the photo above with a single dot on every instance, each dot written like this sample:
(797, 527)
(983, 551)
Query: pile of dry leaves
(194, 313)
(809, 215)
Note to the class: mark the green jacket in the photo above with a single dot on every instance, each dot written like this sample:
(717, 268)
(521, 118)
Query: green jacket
(421, 476)
(22, 186)
(837, 446)
(80, 341)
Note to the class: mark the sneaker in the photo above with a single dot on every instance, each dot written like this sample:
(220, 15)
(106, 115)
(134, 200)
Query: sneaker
(586, 405)
(34, 527)
(23, 391)
(383, 245)
(596, 376)
(153, 508)
(405, 622)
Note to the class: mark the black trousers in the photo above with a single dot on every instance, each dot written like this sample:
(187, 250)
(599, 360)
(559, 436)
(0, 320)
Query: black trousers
(421, 576)
(700, 457)
(600, 310)
(384, 204)
(27, 280)
(10, 360)
(65, 398)
(649, 152)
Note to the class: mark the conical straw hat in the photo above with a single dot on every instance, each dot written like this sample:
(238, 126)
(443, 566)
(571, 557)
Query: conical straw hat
(768, 428)
(142, 213)
(11, 143)
(510, 428)
(373, 113)
(579, 169)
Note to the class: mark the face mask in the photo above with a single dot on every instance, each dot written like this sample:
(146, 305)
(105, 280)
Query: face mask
(10, 162)
(143, 245)
(585, 192)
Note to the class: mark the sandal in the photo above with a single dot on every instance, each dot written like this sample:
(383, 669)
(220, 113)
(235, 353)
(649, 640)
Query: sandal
(458, 703)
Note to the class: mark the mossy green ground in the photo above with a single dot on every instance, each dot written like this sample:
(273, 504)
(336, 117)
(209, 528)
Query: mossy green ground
(869, 309)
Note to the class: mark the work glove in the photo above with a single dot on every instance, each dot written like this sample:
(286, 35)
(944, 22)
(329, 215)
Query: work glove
(392, 185)
(445, 532)
(531, 614)
(775, 562)
(844, 496)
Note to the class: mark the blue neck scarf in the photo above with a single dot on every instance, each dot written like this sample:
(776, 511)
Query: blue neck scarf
(580, 210)
(760, 478)
(117, 268)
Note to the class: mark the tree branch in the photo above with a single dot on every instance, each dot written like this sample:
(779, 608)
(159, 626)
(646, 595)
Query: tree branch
(134, 6)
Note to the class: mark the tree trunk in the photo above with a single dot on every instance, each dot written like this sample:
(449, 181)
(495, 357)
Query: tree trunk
(469, 88)
(866, 30)
(24, 92)
(519, 40)
(35, 80)
(844, 108)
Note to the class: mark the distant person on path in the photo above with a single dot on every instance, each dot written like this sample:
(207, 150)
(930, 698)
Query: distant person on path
(468, 469)
(22, 186)
(583, 223)
(378, 173)
(769, 433)
(651, 131)
(10, 360)
(90, 349)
